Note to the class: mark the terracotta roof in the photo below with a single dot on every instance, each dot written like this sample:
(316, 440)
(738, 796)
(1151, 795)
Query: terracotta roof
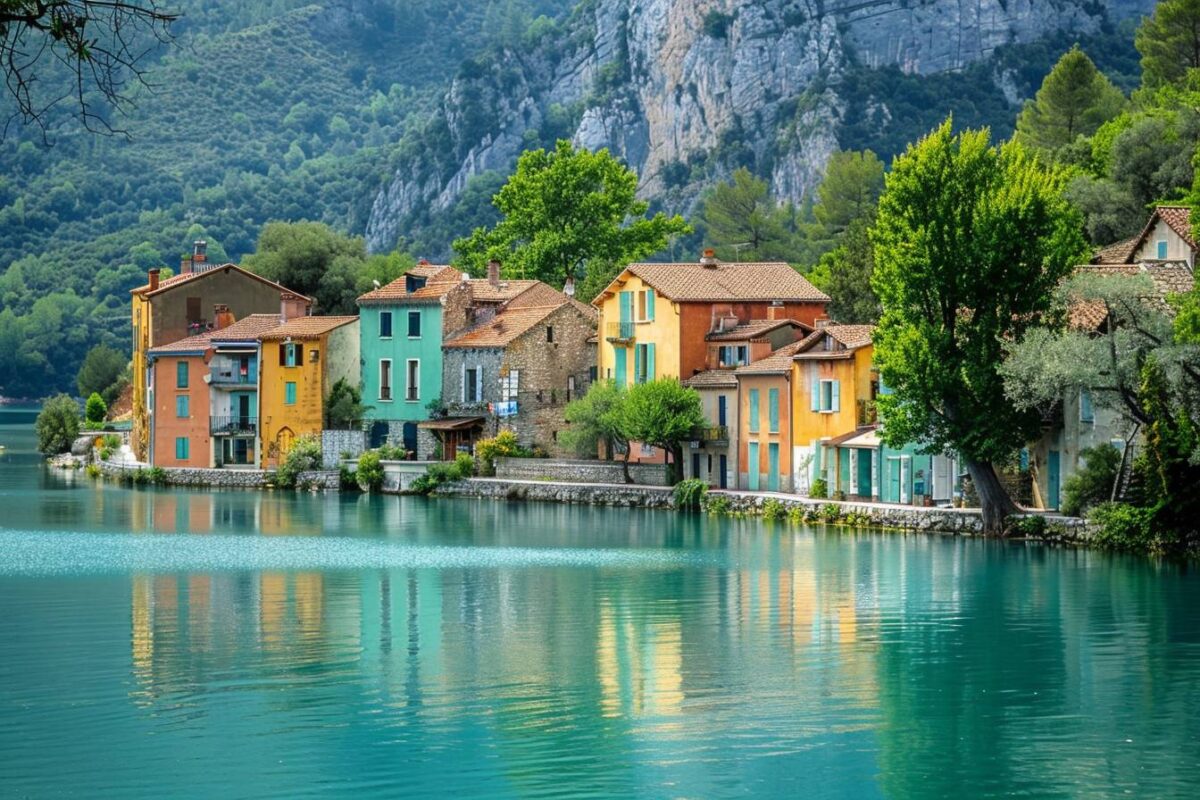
(440, 280)
(1169, 277)
(503, 328)
(188, 277)
(778, 361)
(854, 434)
(306, 327)
(756, 280)
(483, 292)
(711, 379)
(753, 329)
(850, 337)
(192, 344)
(247, 329)
(1118, 253)
(1178, 219)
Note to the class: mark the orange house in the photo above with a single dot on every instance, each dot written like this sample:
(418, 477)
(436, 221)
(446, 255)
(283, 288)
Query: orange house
(177, 397)
(765, 422)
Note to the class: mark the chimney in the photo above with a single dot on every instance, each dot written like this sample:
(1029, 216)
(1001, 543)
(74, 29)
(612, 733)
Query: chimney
(569, 287)
(422, 262)
(199, 251)
(185, 265)
(292, 306)
(821, 323)
(709, 259)
(775, 311)
(153, 279)
(493, 273)
(222, 316)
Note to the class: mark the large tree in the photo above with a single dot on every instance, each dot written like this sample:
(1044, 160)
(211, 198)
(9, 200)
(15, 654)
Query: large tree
(563, 209)
(594, 421)
(844, 273)
(1169, 41)
(100, 43)
(1075, 99)
(743, 223)
(970, 242)
(101, 372)
(849, 191)
(665, 414)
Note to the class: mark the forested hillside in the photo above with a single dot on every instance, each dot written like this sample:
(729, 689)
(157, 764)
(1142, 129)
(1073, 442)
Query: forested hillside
(282, 110)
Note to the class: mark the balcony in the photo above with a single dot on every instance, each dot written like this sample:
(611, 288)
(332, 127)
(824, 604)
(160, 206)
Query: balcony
(231, 376)
(714, 436)
(233, 426)
(618, 331)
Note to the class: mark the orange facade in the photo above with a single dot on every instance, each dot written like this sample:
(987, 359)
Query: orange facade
(696, 319)
(180, 415)
(765, 432)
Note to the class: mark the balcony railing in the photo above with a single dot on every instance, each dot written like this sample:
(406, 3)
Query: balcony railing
(618, 331)
(716, 435)
(232, 426)
(231, 377)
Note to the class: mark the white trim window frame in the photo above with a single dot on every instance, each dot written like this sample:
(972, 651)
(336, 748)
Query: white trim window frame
(386, 377)
(412, 380)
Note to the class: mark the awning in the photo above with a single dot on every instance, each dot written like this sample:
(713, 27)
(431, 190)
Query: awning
(860, 437)
(450, 423)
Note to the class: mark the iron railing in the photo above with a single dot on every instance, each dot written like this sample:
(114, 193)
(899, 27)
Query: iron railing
(618, 331)
(232, 426)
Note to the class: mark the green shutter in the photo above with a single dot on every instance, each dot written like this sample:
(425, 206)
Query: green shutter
(837, 396)
(181, 448)
(181, 406)
(637, 364)
(773, 409)
(650, 305)
(626, 306)
(753, 420)
(649, 362)
(816, 392)
(181, 374)
(619, 358)
(752, 467)
(289, 393)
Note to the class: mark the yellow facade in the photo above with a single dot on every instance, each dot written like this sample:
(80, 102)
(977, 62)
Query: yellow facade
(854, 381)
(654, 322)
(286, 414)
(141, 345)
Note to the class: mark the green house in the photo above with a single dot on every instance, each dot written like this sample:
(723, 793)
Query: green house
(402, 326)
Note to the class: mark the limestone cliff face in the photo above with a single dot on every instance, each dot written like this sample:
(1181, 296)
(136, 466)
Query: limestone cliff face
(679, 88)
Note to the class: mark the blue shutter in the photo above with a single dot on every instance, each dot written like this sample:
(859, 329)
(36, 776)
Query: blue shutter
(753, 421)
(816, 393)
(1162, 249)
(181, 406)
(773, 410)
(289, 393)
(837, 395)
(620, 357)
(181, 374)
(637, 364)
(181, 448)
(649, 362)
(1086, 412)
(650, 305)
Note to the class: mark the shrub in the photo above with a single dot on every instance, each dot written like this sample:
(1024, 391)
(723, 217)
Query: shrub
(465, 464)
(347, 479)
(105, 453)
(444, 472)
(819, 488)
(57, 425)
(856, 519)
(829, 513)
(718, 505)
(112, 441)
(96, 409)
(503, 444)
(92, 471)
(1092, 484)
(389, 452)
(370, 472)
(305, 455)
(1124, 527)
(690, 494)
(156, 476)
(796, 515)
(1027, 527)
(773, 510)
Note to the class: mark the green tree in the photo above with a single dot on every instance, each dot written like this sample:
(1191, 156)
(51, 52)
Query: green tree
(563, 209)
(344, 406)
(970, 242)
(742, 222)
(665, 414)
(101, 371)
(57, 425)
(849, 191)
(1169, 41)
(594, 420)
(844, 273)
(95, 410)
(1075, 99)
(313, 259)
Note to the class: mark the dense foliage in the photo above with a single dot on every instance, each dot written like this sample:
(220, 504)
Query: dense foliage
(665, 414)
(304, 456)
(57, 425)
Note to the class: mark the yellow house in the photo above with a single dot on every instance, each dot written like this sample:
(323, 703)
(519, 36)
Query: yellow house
(301, 361)
(833, 393)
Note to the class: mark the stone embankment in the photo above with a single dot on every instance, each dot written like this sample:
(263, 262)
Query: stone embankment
(324, 480)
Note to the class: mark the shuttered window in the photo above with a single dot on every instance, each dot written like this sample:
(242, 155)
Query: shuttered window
(773, 410)
(182, 406)
(385, 324)
(289, 393)
(181, 374)
(182, 448)
(753, 420)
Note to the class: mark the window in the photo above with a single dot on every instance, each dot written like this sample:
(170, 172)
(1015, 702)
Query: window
(645, 305)
(182, 448)
(412, 385)
(414, 324)
(753, 420)
(289, 393)
(509, 385)
(385, 379)
(826, 396)
(472, 385)
(570, 387)
(722, 409)
(773, 410)
(182, 406)
(289, 354)
(385, 324)
(181, 375)
(314, 355)
(1087, 414)
(549, 333)
(734, 356)
(829, 343)
(1161, 246)
(643, 363)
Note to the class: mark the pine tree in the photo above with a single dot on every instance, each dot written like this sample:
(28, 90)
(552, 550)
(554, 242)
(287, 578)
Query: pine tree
(1169, 41)
(1075, 99)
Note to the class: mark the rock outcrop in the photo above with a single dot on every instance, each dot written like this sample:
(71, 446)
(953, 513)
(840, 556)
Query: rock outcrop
(685, 89)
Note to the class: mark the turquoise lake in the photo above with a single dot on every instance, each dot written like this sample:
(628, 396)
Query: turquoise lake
(187, 644)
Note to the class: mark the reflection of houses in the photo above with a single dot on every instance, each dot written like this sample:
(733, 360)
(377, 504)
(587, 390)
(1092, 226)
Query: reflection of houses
(169, 309)
(301, 361)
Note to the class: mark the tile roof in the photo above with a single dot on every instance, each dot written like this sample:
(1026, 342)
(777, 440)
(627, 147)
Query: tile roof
(440, 279)
(306, 327)
(482, 290)
(712, 378)
(247, 329)
(851, 337)
(756, 280)
(503, 328)
(1178, 219)
(1118, 253)
(753, 329)
(201, 341)
(188, 277)
(1169, 277)
(778, 361)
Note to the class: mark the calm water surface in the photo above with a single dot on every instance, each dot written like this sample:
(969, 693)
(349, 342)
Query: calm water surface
(188, 644)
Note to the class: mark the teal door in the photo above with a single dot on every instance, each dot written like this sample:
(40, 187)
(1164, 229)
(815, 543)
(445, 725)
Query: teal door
(752, 466)
(773, 468)
(864, 473)
(893, 482)
(619, 355)
(1053, 476)
(843, 469)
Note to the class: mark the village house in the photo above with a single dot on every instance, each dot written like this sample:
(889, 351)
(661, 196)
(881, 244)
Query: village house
(301, 361)
(514, 371)
(655, 319)
(169, 309)
(234, 375)
(765, 422)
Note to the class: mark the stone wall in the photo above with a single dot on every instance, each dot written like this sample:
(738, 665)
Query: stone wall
(579, 471)
(336, 443)
(228, 478)
(580, 493)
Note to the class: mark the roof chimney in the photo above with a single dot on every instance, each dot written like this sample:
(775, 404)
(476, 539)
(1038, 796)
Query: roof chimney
(292, 306)
(569, 287)
(709, 259)
(185, 265)
(821, 323)
(222, 316)
(493, 273)
(422, 262)
(199, 251)
(153, 279)
(775, 310)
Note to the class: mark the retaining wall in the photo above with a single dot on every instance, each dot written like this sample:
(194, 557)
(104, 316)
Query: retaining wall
(227, 478)
(579, 471)
(336, 443)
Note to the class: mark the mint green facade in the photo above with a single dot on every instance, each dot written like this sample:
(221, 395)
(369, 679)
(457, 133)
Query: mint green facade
(404, 403)
(888, 474)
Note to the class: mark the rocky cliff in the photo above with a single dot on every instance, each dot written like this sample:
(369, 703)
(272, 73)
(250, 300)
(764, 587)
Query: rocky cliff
(685, 90)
